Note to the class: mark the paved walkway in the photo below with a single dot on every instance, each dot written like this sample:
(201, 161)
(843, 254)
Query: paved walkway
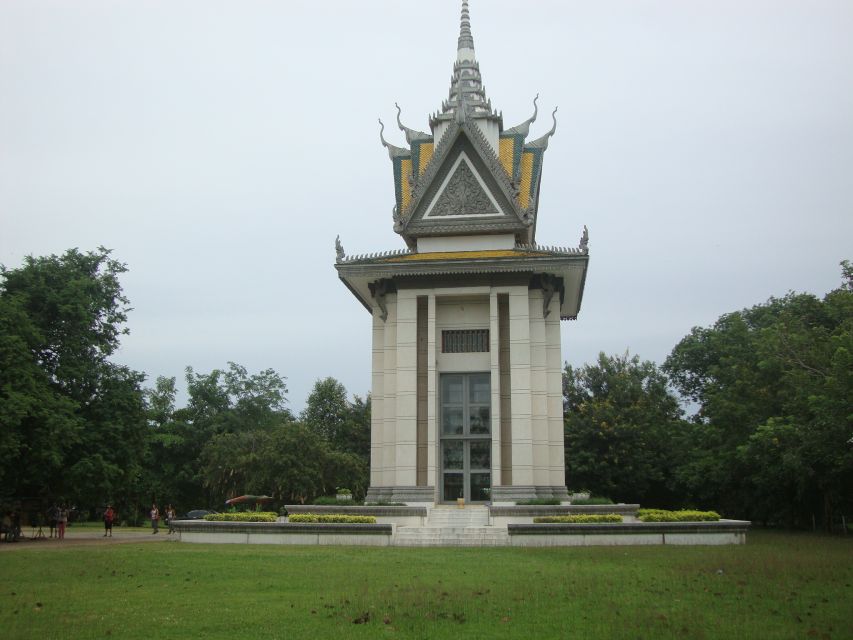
(85, 538)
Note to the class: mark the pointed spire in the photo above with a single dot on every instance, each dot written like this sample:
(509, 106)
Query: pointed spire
(467, 98)
(466, 40)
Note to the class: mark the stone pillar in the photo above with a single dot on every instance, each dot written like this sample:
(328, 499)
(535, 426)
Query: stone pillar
(406, 405)
(519, 350)
(377, 420)
(432, 400)
(556, 439)
(389, 409)
(494, 353)
(538, 393)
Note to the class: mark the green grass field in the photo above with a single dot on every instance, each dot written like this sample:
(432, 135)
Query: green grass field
(777, 586)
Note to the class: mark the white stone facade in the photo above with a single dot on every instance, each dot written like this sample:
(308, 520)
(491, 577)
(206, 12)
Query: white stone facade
(536, 467)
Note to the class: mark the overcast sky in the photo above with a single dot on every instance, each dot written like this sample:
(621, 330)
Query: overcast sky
(219, 147)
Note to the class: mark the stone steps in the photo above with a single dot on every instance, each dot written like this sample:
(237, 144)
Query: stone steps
(452, 517)
(453, 536)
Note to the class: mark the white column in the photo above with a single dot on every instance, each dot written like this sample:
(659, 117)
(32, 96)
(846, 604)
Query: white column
(407, 384)
(494, 352)
(377, 421)
(556, 439)
(389, 409)
(538, 391)
(519, 358)
(432, 402)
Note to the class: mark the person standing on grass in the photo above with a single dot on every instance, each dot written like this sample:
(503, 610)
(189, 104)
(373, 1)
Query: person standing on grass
(170, 516)
(62, 521)
(109, 516)
(155, 518)
(53, 518)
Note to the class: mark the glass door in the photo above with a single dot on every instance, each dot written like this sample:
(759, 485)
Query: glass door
(466, 443)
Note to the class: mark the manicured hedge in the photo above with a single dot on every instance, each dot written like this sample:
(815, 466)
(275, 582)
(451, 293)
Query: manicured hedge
(662, 515)
(246, 516)
(331, 518)
(580, 518)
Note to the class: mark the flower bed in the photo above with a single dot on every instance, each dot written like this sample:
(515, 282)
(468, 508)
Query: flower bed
(246, 516)
(333, 518)
(662, 515)
(580, 518)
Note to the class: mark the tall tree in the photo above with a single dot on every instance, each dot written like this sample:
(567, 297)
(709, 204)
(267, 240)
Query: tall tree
(343, 424)
(774, 385)
(72, 420)
(623, 430)
(188, 461)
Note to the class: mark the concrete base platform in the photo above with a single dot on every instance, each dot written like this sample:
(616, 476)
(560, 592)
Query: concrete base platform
(469, 527)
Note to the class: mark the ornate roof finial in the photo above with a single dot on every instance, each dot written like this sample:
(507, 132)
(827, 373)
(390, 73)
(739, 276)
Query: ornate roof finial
(411, 134)
(339, 250)
(392, 150)
(542, 143)
(466, 40)
(584, 245)
(524, 127)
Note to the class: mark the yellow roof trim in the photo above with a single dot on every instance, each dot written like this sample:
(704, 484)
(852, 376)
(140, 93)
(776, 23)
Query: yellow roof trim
(463, 255)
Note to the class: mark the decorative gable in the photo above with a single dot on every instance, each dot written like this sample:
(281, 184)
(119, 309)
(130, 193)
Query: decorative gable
(463, 190)
(462, 194)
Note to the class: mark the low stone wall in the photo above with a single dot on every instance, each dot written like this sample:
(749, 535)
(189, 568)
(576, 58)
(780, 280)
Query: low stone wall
(634, 533)
(283, 533)
(400, 516)
(504, 515)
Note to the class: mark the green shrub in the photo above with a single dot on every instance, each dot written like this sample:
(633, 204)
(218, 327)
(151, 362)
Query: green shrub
(244, 516)
(593, 500)
(662, 515)
(332, 518)
(539, 501)
(382, 503)
(580, 518)
(333, 501)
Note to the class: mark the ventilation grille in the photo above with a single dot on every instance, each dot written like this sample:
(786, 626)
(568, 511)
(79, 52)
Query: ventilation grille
(465, 341)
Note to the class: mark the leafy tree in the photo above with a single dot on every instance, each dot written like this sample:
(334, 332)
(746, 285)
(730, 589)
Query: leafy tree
(188, 447)
(623, 430)
(773, 384)
(71, 421)
(344, 425)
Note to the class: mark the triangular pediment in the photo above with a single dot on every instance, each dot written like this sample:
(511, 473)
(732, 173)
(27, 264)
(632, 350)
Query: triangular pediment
(464, 190)
(462, 194)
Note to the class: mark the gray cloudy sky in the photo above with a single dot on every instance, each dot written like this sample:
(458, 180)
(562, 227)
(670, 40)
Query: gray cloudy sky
(219, 147)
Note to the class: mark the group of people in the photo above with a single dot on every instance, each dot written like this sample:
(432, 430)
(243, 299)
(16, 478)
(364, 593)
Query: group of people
(57, 520)
(169, 515)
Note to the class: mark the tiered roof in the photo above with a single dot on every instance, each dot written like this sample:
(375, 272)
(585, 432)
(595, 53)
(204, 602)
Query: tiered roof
(497, 189)
(468, 176)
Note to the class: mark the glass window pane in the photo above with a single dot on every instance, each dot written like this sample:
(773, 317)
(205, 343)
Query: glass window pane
(479, 389)
(481, 454)
(479, 419)
(481, 487)
(451, 389)
(453, 486)
(451, 421)
(452, 455)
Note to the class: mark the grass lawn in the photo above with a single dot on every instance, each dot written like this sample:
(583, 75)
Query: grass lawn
(777, 586)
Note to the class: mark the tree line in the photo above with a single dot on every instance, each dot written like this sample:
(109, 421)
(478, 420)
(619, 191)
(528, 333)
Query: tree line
(770, 438)
(751, 416)
(80, 429)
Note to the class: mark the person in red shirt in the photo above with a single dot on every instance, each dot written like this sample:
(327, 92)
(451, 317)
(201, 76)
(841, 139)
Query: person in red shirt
(109, 516)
